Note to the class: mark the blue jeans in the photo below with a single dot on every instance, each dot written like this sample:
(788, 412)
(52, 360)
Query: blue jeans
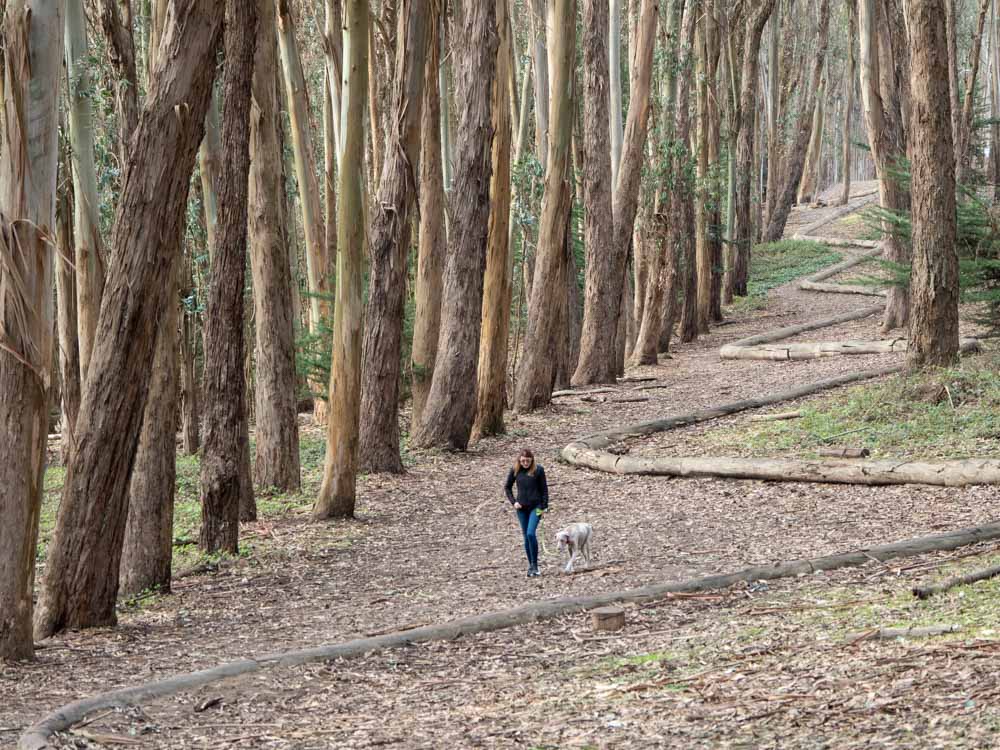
(529, 520)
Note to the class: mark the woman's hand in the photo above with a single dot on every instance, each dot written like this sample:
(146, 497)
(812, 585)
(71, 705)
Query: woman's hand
(517, 506)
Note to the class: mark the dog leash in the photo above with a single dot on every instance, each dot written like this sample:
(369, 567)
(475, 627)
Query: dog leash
(541, 536)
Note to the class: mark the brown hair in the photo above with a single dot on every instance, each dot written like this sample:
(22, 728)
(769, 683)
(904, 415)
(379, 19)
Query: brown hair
(525, 453)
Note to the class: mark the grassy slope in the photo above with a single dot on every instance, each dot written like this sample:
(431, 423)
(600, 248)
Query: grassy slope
(950, 413)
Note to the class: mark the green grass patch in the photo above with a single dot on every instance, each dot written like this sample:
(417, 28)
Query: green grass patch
(187, 502)
(975, 607)
(948, 413)
(777, 263)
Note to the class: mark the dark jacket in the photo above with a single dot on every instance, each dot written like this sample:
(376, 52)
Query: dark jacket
(532, 489)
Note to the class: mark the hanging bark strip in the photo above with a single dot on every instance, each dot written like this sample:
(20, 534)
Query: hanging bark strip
(36, 737)
(81, 584)
(389, 239)
(339, 489)
(29, 156)
(449, 412)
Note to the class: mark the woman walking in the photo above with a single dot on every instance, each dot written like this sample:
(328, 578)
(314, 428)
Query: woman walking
(532, 499)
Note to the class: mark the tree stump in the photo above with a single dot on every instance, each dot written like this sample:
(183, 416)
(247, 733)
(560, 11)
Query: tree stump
(608, 618)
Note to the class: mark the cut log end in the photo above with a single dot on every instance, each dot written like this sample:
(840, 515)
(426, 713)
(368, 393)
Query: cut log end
(607, 619)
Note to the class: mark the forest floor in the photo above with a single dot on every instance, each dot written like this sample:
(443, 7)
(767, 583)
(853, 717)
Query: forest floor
(753, 666)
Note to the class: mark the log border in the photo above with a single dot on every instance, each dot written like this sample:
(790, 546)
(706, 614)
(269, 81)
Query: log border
(37, 736)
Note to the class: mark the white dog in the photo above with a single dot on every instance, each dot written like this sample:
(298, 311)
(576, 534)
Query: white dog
(575, 539)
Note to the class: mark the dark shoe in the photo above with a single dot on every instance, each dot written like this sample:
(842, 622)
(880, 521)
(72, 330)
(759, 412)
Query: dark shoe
(533, 573)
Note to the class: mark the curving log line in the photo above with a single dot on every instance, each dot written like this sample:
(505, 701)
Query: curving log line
(592, 451)
(38, 735)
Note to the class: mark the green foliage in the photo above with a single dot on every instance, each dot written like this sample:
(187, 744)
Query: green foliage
(977, 244)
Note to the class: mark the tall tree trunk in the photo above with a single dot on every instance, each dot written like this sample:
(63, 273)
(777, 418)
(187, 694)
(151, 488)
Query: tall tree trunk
(318, 265)
(613, 93)
(795, 158)
(149, 531)
(885, 137)
(190, 413)
(276, 462)
(597, 347)
(808, 184)
(743, 232)
(536, 374)
(449, 411)
(849, 82)
(69, 349)
(210, 165)
(774, 129)
(222, 482)
(81, 581)
(87, 223)
(962, 166)
(492, 369)
(389, 245)
(148, 543)
(432, 243)
(600, 348)
(703, 253)
(660, 256)
(715, 230)
(29, 156)
(541, 57)
(338, 493)
(122, 53)
(333, 48)
(951, 27)
(682, 225)
(934, 285)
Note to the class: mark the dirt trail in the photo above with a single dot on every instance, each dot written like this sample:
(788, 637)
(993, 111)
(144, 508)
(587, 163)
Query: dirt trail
(441, 541)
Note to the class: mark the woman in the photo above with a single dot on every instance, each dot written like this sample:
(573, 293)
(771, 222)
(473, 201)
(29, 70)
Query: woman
(532, 498)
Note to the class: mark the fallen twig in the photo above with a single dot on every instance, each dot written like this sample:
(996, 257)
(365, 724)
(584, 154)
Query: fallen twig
(775, 417)
(890, 634)
(925, 592)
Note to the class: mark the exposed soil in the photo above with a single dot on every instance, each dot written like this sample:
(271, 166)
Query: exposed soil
(441, 542)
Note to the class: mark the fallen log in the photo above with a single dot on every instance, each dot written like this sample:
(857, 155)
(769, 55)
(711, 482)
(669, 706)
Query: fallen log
(820, 349)
(837, 241)
(559, 394)
(855, 203)
(789, 331)
(818, 286)
(925, 592)
(814, 350)
(37, 736)
(957, 473)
